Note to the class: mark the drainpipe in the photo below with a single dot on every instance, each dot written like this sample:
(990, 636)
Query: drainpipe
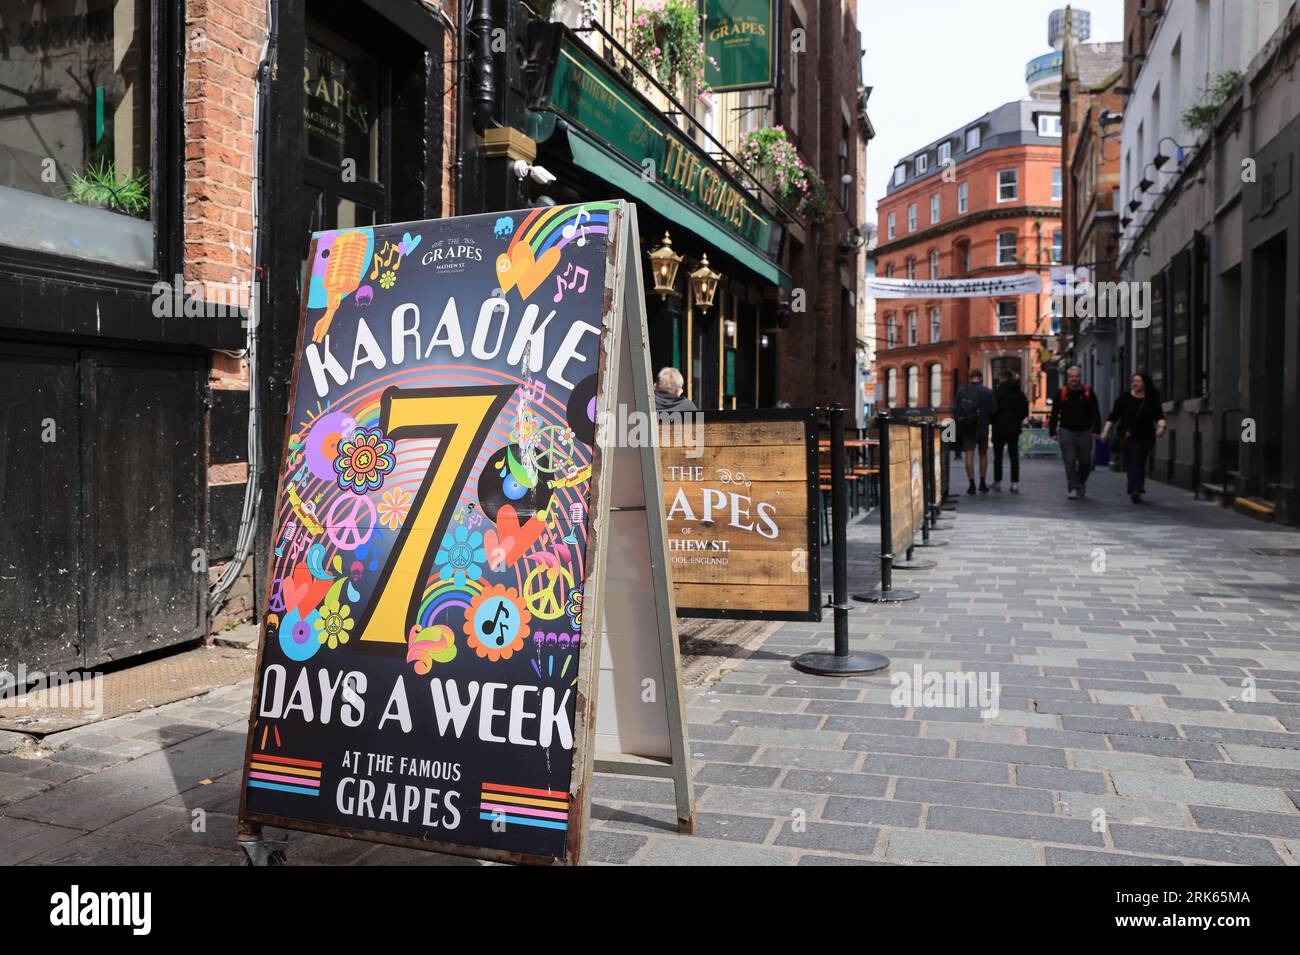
(484, 79)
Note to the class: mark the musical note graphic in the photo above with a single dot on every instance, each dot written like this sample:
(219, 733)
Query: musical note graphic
(576, 226)
(560, 283)
(496, 625)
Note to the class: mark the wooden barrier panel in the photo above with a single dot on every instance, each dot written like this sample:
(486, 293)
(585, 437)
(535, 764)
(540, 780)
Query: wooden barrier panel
(741, 509)
(900, 487)
(936, 439)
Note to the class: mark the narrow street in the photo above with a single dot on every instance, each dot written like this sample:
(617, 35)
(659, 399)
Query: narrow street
(1121, 735)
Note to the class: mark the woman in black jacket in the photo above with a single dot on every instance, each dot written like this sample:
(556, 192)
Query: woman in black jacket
(1138, 419)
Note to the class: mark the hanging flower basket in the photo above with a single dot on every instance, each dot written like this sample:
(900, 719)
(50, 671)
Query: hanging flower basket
(665, 38)
(771, 158)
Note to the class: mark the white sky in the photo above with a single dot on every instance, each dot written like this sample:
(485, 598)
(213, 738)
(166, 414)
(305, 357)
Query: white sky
(937, 64)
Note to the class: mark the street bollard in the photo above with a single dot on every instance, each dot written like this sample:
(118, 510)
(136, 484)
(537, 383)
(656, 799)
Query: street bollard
(841, 662)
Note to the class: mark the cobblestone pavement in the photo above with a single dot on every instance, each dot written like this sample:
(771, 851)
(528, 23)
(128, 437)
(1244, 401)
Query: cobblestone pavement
(1121, 637)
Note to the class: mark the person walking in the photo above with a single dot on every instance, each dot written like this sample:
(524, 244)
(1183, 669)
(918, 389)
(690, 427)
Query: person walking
(1013, 409)
(1137, 420)
(1074, 424)
(973, 409)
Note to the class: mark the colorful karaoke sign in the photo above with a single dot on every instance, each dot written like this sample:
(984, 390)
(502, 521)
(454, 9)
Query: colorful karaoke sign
(418, 676)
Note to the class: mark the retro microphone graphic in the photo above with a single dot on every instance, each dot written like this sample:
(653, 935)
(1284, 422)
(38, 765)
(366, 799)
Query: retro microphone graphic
(343, 273)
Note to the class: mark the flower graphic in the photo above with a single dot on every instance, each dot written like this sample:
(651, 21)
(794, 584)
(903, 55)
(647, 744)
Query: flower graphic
(461, 556)
(575, 609)
(334, 623)
(394, 506)
(388, 280)
(363, 460)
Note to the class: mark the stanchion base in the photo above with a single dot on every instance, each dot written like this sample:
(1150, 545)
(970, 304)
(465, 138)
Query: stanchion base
(890, 596)
(930, 543)
(914, 564)
(940, 527)
(828, 664)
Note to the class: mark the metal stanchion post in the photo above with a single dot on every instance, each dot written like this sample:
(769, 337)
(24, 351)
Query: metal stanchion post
(886, 592)
(841, 662)
(930, 515)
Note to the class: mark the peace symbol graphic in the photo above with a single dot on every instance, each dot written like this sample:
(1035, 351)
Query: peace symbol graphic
(342, 526)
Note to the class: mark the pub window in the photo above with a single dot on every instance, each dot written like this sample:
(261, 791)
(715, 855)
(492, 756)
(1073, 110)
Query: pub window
(934, 263)
(1057, 241)
(77, 129)
(963, 198)
(911, 217)
(911, 326)
(913, 386)
(891, 330)
(936, 324)
(944, 152)
(891, 394)
(911, 268)
(934, 208)
(891, 222)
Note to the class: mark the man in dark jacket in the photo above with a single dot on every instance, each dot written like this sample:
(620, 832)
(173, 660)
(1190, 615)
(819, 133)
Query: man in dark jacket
(668, 392)
(1013, 409)
(973, 409)
(1075, 424)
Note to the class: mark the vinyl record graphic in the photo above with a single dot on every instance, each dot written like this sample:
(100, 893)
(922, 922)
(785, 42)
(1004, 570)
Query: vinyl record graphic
(581, 410)
(505, 481)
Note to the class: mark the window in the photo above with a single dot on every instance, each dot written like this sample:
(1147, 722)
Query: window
(795, 63)
(1056, 246)
(1006, 248)
(944, 152)
(900, 174)
(891, 330)
(934, 208)
(936, 385)
(911, 327)
(911, 268)
(1049, 124)
(891, 222)
(963, 198)
(972, 139)
(889, 270)
(936, 324)
(1056, 183)
(1007, 318)
(76, 130)
(892, 390)
(913, 386)
(922, 163)
(934, 263)
(1008, 185)
(911, 217)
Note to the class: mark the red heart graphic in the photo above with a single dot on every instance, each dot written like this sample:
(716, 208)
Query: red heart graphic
(293, 593)
(515, 539)
(308, 591)
(497, 549)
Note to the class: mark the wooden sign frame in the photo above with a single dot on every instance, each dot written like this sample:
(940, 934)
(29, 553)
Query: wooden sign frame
(809, 418)
(623, 351)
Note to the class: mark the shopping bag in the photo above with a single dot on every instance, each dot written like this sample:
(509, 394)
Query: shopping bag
(1100, 453)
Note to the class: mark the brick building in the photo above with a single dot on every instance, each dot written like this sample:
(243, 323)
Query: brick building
(161, 166)
(980, 202)
(1091, 109)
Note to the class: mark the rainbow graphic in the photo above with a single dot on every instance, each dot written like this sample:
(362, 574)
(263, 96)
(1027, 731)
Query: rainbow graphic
(522, 806)
(440, 594)
(301, 777)
(560, 225)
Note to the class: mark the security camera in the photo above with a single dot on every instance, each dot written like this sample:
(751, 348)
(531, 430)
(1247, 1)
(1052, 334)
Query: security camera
(539, 174)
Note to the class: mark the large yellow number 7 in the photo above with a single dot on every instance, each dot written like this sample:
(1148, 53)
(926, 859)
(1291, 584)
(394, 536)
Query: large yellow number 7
(460, 419)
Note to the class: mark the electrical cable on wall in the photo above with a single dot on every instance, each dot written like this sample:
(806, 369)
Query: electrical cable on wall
(247, 534)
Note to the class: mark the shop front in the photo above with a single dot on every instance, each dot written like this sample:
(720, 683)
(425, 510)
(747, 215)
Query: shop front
(715, 290)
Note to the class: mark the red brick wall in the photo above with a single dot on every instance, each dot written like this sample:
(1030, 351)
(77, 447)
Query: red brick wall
(969, 328)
